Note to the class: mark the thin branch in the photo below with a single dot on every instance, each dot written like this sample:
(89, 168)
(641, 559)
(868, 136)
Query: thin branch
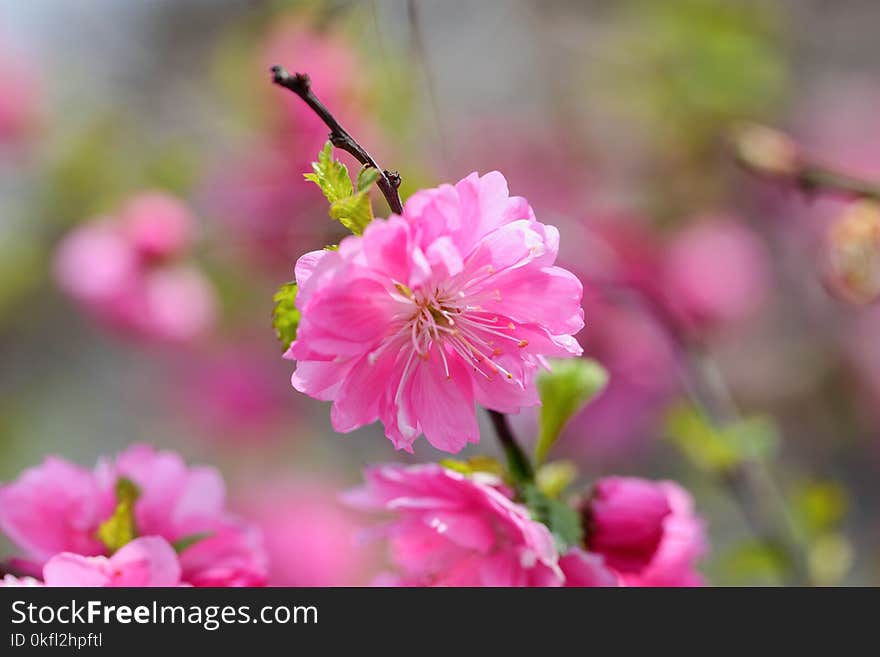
(771, 154)
(517, 461)
(299, 83)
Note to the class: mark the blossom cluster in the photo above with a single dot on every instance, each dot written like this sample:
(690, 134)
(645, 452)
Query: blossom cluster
(456, 530)
(130, 271)
(70, 525)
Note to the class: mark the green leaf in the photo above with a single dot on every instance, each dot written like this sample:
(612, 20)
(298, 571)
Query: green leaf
(354, 212)
(553, 478)
(720, 449)
(349, 205)
(367, 176)
(562, 521)
(564, 391)
(182, 544)
(330, 175)
(819, 507)
(119, 529)
(285, 315)
(751, 563)
(475, 464)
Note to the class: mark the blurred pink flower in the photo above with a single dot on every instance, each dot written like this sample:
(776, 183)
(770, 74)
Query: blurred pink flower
(233, 394)
(646, 531)
(311, 539)
(147, 561)
(127, 273)
(617, 258)
(715, 273)
(21, 100)
(262, 198)
(452, 530)
(585, 569)
(455, 302)
(11, 580)
(624, 521)
(58, 506)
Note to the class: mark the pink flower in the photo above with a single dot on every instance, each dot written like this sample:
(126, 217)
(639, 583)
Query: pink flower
(683, 543)
(21, 100)
(311, 539)
(585, 569)
(157, 225)
(58, 507)
(231, 394)
(452, 530)
(455, 302)
(646, 531)
(127, 271)
(11, 580)
(715, 273)
(147, 561)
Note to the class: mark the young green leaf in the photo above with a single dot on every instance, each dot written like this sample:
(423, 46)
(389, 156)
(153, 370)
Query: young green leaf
(564, 391)
(285, 315)
(354, 212)
(182, 544)
(562, 521)
(366, 177)
(119, 529)
(720, 449)
(330, 175)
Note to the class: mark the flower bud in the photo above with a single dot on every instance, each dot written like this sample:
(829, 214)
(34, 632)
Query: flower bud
(624, 521)
(854, 253)
(766, 151)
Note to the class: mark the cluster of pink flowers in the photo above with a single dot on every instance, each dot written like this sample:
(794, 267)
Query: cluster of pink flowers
(185, 535)
(130, 272)
(457, 530)
(454, 302)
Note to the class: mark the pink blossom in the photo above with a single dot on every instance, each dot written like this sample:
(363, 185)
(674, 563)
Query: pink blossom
(617, 258)
(11, 580)
(715, 273)
(310, 537)
(157, 225)
(127, 271)
(624, 521)
(147, 561)
(683, 543)
(456, 301)
(57, 507)
(585, 569)
(21, 100)
(453, 530)
(646, 531)
(257, 198)
(231, 393)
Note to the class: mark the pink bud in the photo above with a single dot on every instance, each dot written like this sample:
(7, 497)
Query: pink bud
(624, 521)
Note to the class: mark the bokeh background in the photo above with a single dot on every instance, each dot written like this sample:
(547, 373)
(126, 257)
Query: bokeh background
(611, 117)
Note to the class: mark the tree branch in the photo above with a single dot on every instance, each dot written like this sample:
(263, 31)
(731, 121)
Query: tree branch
(773, 155)
(299, 83)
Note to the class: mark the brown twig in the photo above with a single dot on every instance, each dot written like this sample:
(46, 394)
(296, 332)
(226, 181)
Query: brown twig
(299, 83)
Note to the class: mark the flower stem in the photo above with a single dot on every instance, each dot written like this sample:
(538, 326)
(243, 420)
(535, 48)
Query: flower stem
(517, 462)
(389, 182)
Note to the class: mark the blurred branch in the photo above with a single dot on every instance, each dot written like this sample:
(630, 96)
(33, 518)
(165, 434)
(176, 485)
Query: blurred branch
(299, 83)
(770, 154)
